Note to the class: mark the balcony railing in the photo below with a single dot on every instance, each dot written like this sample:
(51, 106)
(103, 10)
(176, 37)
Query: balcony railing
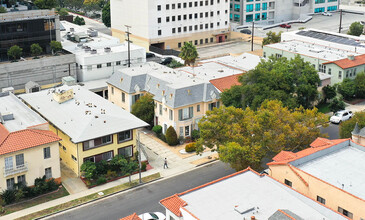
(15, 170)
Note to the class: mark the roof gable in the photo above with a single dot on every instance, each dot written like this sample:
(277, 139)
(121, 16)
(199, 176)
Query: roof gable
(347, 63)
(226, 82)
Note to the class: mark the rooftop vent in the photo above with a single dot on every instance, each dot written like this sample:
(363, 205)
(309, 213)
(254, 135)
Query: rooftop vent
(107, 50)
(92, 32)
(94, 51)
(242, 210)
(61, 96)
(351, 57)
(72, 29)
(7, 116)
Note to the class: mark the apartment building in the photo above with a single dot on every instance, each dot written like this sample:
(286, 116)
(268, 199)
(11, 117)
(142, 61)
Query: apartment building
(183, 95)
(329, 171)
(91, 128)
(167, 24)
(245, 195)
(28, 149)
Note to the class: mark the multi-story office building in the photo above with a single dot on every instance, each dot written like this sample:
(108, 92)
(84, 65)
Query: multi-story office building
(276, 11)
(23, 28)
(169, 23)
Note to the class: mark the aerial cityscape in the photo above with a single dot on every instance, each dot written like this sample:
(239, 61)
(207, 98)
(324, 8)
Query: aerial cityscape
(182, 109)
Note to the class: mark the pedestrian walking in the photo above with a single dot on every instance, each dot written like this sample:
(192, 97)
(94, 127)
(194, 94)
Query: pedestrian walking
(165, 163)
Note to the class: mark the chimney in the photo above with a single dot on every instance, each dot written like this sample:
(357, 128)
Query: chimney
(253, 218)
(351, 57)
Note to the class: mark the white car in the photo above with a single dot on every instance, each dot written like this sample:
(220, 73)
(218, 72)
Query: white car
(152, 216)
(340, 116)
(326, 14)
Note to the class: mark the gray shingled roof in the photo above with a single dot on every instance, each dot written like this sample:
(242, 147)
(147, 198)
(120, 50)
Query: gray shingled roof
(279, 215)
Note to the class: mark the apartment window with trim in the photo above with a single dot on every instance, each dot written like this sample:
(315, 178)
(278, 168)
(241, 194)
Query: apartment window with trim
(213, 105)
(185, 4)
(179, 17)
(48, 172)
(339, 74)
(321, 200)
(73, 158)
(98, 66)
(178, 5)
(126, 151)
(158, 7)
(160, 109)
(345, 212)
(170, 114)
(108, 64)
(97, 142)
(123, 97)
(124, 136)
(172, 6)
(198, 108)
(190, 4)
(112, 90)
(21, 179)
(47, 152)
(179, 45)
(173, 18)
(329, 71)
(159, 32)
(179, 29)
(158, 20)
(107, 156)
(322, 68)
(167, 19)
(287, 182)
(19, 160)
(117, 63)
(10, 183)
(186, 113)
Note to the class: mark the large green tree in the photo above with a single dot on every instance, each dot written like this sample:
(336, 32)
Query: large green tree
(336, 105)
(271, 38)
(55, 46)
(294, 82)
(360, 85)
(3, 10)
(348, 126)
(106, 15)
(45, 4)
(144, 109)
(244, 137)
(329, 92)
(356, 29)
(347, 89)
(188, 53)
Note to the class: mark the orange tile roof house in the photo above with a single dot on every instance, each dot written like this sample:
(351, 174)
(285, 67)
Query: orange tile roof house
(134, 216)
(245, 195)
(28, 150)
(329, 171)
(226, 82)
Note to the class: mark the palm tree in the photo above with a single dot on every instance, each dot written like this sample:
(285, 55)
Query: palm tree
(188, 53)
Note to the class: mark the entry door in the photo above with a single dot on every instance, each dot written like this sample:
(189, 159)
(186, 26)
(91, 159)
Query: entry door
(187, 131)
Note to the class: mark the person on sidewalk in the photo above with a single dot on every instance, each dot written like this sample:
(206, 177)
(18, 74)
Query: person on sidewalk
(165, 163)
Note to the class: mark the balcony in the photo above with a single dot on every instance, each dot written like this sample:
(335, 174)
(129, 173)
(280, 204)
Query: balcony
(15, 170)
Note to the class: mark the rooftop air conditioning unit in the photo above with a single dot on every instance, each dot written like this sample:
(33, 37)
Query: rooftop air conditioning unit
(93, 51)
(107, 49)
(72, 29)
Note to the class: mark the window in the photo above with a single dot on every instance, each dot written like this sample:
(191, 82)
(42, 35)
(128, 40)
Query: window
(211, 14)
(249, 18)
(322, 68)
(158, 20)
(112, 90)
(196, 42)
(278, 55)
(173, 18)
(211, 40)
(190, 4)
(319, 10)
(108, 64)
(187, 130)
(8, 163)
(198, 108)
(123, 97)
(201, 3)
(185, 29)
(10, 183)
(158, 7)
(339, 74)
(320, 1)
(179, 5)
(186, 113)
(184, 4)
(201, 41)
(287, 182)
(107, 155)
(179, 17)
(170, 114)
(97, 142)
(196, 15)
(21, 179)
(213, 105)
(98, 66)
(321, 200)
(160, 109)
(206, 14)
(181, 131)
(80, 67)
(249, 8)
(117, 63)
(217, 24)
(345, 212)
(196, 27)
(190, 16)
(206, 40)
(73, 158)
(124, 136)
(179, 29)
(347, 73)
(201, 14)
(172, 6)
(19, 160)
(196, 4)
(126, 151)
(48, 172)
(264, 16)
(264, 6)
(332, 8)
(190, 28)
(257, 17)
(167, 19)
(135, 98)
(179, 45)
(159, 32)
(185, 16)
(329, 71)
(47, 152)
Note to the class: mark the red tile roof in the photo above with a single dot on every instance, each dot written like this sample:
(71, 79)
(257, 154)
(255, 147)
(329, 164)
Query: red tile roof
(319, 144)
(134, 216)
(226, 82)
(174, 203)
(24, 139)
(347, 63)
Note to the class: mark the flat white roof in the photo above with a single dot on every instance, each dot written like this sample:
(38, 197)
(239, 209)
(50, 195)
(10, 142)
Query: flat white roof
(79, 121)
(343, 168)
(312, 50)
(254, 195)
(24, 117)
(245, 61)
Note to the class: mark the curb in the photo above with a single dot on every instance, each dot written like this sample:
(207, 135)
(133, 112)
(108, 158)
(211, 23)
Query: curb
(208, 162)
(85, 203)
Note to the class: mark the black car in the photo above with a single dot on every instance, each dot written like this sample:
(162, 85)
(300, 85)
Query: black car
(245, 31)
(166, 61)
(150, 55)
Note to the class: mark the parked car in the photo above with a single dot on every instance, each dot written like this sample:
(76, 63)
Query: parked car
(152, 216)
(166, 60)
(150, 55)
(326, 13)
(245, 31)
(341, 116)
(285, 25)
(362, 22)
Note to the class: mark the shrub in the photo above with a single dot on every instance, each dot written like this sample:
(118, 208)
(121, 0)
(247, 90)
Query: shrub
(336, 105)
(62, 12)
(190, 147)
(3, 10)
(8, 196)
(51, 185)
(347, 89)
(35, 50)
(79, 20)
(157, 129)
(89, 169)
(171, 136)
(195, 134)
(15, 52)
(144, 166)
(19, 194)
(111, 174)
(55, 46)
(102, 167)
(101, 180)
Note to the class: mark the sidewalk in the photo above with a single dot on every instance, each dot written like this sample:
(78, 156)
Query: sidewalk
(156, 154)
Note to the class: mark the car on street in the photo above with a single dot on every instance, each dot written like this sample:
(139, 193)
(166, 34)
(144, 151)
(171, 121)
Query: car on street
(150, 55)
(341, 116)
(326, 14)
(166, 60)
(152, 216)
(245, 31)
(285, 25)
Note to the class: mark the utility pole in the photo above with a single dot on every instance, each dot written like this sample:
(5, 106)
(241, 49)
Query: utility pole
(139, 157)
(253, 26)
(129, 50)
(339, 29)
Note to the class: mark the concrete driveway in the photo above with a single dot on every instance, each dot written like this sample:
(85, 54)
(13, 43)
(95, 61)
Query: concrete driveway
(70, 181)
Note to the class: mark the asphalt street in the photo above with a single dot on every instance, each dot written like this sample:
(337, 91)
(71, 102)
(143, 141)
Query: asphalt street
(146, 198)
(332, 130)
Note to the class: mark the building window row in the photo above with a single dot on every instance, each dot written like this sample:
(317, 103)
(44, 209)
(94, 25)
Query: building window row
(202, 41)
(189, 16)
(189, 4)
(97, 142)
(195, 27)
(109, 64)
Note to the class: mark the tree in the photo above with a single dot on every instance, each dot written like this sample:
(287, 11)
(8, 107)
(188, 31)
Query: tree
(79, 20)
(171, 136)
(271, 38)
(91, 5)
(63, 12)
(3, 10)
(106, 15)
(15, 52)
(347, 89)
(294, 82)
(244, 137)
(336, 105)
(188, 53)
(356, 29)
(74, 4)
(329, 92)
(346, 127)
(45, 4)
(89, 169)
(35, 50)
(55, 46)
(144, 109)
(360, 85)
